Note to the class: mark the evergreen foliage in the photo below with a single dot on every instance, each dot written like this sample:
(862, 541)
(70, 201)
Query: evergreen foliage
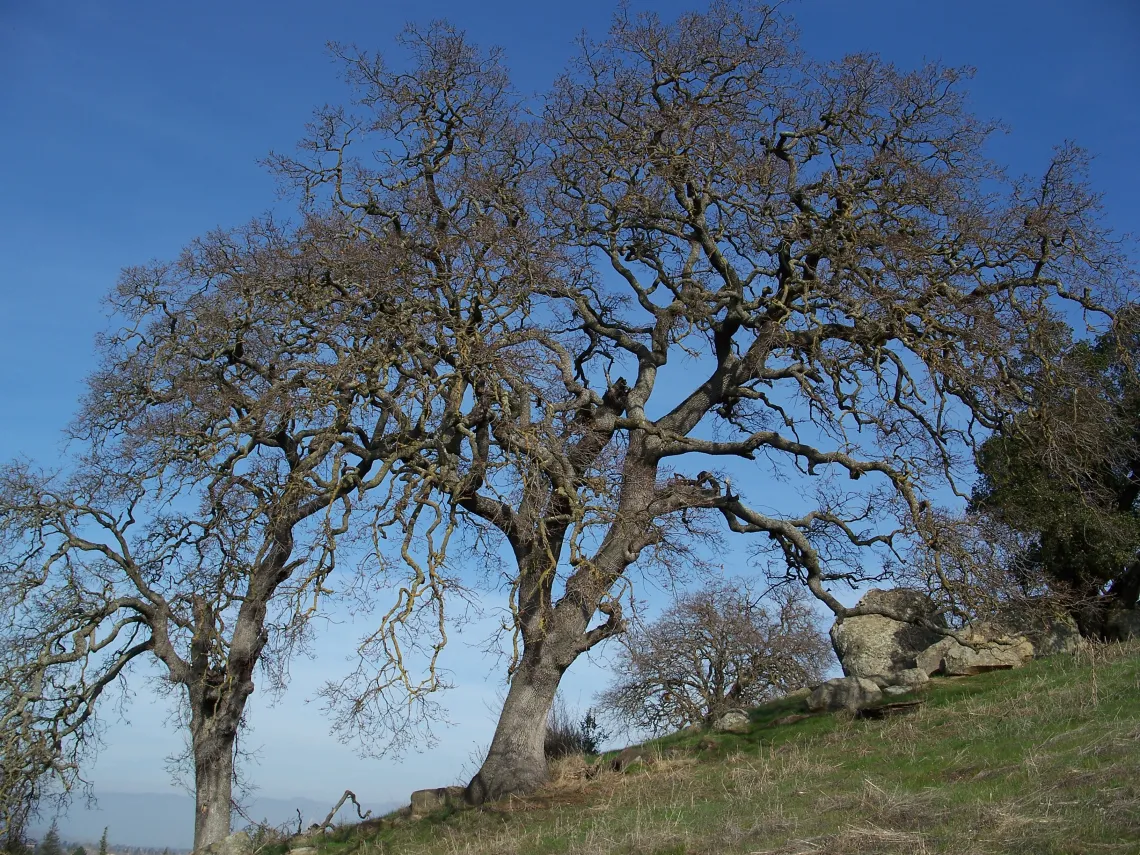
(50, 845)
(1066, 473)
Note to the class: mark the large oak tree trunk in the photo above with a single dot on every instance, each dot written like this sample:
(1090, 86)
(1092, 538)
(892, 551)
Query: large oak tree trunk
(516, 760)
(213, 784)
(218, 695)
(553, 636)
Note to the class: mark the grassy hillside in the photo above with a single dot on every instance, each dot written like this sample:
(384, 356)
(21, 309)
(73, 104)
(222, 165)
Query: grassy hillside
(1045, 759)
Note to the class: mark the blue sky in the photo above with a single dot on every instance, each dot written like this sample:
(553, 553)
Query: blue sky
(127, 128)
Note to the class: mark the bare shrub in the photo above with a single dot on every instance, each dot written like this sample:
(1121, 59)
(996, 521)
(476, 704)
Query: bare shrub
(567, 735)
(716, 649)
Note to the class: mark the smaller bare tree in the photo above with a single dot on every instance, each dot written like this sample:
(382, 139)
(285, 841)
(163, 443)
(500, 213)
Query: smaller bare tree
(254, 408)
(713, 650)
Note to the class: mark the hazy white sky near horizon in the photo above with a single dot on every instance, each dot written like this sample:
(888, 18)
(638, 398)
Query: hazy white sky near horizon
(130, 127)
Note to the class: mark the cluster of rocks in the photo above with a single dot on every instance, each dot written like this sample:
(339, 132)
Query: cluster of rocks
(896, 649)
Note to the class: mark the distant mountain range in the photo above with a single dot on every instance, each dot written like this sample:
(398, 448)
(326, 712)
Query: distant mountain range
(161, 820)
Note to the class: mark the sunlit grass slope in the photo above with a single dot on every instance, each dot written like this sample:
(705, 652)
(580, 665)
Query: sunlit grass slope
(1041, 760)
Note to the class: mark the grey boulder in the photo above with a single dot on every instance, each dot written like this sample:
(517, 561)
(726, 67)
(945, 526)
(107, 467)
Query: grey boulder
(910, 678)
(844, 693)
(880, 646)
(733, 721)
(978, 655)
(1050, 632)
(426, 801)
(237, 843)
(1123, 624)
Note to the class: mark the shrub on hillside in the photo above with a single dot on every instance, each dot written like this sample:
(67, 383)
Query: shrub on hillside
(566, 736)
(713, 650)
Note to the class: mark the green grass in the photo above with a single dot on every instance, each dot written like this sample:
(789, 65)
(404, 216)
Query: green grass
(1045, 759)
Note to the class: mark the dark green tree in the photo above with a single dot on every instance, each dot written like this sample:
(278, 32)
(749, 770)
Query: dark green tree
(103, 842)
(50, 845)
(1065, 473)
(79, 850)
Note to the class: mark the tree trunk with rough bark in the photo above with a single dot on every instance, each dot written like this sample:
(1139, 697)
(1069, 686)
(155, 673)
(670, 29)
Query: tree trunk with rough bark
(516, 760)
(213, 781)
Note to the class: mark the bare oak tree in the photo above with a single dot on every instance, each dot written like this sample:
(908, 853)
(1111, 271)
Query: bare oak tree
(716, 649)
(246, 411)
(708, 256)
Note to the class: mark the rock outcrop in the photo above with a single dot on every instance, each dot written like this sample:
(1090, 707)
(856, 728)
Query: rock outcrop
(910, 678)
(238, 843)
(844, 693)
(733, 721)
(426, 801)
(632, 756)
(1050, 633)
(1060, 636)
(879, 646)
(982, 653)
(1123, 624)
(904, 652)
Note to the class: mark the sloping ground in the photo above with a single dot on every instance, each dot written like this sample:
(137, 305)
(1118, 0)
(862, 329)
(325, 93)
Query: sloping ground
(1045, 759)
